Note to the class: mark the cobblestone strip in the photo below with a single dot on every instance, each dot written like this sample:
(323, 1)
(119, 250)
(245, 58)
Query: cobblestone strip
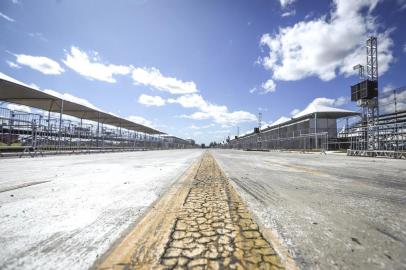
(214, 230)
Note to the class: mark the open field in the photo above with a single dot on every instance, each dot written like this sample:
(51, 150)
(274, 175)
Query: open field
(331, 211)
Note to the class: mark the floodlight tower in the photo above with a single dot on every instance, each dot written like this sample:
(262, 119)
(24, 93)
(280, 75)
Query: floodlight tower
(365, 93)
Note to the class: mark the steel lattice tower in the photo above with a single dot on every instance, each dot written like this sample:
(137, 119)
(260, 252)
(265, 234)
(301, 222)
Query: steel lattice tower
(365, 93)
(371, 106)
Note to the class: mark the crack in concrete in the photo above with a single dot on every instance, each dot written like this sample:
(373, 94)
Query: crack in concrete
(214, 229)
(201, 223)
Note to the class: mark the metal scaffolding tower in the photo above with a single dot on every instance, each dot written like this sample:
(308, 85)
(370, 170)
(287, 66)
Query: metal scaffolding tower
(372, 105)
(366, 95)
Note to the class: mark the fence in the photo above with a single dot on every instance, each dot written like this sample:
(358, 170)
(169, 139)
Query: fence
(304, 142)
(390, 131)
(36, 133)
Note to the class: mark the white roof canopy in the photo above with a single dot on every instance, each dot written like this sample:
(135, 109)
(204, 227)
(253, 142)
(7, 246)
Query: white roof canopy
(319, 110)
(324, 112)
(19, 93)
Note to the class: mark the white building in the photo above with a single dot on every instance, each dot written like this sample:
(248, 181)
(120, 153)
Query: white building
(308, 129)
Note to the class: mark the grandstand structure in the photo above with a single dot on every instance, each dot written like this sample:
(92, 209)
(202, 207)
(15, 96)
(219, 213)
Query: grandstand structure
(390, 128)
(381, 130)
(56, 125)
(315, 128)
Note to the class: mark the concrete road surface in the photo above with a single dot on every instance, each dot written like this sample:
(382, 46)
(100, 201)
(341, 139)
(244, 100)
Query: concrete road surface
(63, 212)
(330, 211)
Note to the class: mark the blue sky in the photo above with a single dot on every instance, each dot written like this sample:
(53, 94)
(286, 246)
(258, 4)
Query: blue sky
(199, 69)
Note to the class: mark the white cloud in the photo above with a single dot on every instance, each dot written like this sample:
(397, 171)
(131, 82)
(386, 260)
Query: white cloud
(289, 13)
(21, 108)
(38, 35)
(281, 120)
(196, 116)
(316, 47)
(387, 102)
(268, 86)
(15, 1)
(285, 3)
(151, 100)
(388, 87)
(91, 66)
(12, 64)
(152, 77)
(33, 85)
(41, 63)
(253, 90)
(71, 98)
(4, 16)
(295, 111)
(201, 127)
(140, 120)
(402, 4)
(190, 101)
(219, 114)
(193, 127)
(341, 101)
(323, 101)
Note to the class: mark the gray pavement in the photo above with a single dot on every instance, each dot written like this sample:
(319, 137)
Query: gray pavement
(63, 212)
(330, 211)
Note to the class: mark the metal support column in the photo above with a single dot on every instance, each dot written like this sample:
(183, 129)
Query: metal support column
(60, 126)
(315, 130)
(98, 129)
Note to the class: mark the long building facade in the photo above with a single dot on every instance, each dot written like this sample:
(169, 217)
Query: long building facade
(310, 129)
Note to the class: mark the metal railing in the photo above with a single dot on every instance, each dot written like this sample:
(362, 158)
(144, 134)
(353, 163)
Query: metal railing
(303, 142)
(36, 133)
(390, 130)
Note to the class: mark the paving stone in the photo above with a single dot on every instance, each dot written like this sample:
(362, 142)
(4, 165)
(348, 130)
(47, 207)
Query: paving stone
(172, 252)
(197, 262)
(170, 262)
